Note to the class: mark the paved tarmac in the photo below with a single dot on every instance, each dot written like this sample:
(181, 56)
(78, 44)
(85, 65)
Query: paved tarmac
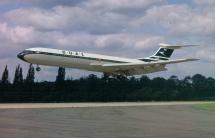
(108, 120)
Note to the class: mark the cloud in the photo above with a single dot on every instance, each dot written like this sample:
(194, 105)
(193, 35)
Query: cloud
(204, 2)
(120, 28)
(7, 1)
(91, 16)
(68, 19)
(149, 42)
(122, 6)
(181, 19)
(42, 3)
(30, 37)
(206, 54)
(17, 34)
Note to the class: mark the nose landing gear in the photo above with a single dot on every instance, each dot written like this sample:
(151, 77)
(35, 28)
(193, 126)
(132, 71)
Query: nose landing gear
(38, 68)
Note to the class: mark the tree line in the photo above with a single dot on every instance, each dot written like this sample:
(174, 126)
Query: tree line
(103, 89)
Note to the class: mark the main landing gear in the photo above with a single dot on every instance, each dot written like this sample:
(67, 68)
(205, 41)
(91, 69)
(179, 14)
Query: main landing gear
(38, 68)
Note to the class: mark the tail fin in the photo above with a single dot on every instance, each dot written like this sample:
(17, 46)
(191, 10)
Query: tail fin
(165, 51)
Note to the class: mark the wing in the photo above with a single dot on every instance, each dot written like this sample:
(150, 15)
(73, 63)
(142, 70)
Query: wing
(141, 68)
(128, 65)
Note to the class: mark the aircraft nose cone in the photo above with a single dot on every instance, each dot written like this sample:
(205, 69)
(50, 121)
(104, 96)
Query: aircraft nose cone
(21, 56)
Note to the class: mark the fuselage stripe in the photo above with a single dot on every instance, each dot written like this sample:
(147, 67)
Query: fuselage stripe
(81, 57)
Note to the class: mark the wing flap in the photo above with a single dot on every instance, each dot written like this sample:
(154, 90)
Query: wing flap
(96, 64)
(157, 63)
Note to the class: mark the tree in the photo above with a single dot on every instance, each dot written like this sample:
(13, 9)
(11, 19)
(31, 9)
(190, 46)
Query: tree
(105, 77)
(144, 80)
(5, 76)
(61, 75)
(198, 80)
(15, 80)
(18, 77)
(187, 80)
(59, 84)
(174, 78)
(30, 76)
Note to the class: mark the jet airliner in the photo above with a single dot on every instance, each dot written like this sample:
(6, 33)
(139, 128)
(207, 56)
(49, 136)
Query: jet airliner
(102, 63)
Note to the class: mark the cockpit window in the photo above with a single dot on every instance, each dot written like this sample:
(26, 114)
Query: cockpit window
(27, 52)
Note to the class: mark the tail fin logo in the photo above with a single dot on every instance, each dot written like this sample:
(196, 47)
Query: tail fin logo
(163, 52)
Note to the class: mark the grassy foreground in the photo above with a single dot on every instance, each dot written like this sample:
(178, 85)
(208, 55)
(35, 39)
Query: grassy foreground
(206, 106)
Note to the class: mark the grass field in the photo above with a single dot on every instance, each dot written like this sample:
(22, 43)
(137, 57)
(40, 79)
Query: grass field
(206, 106)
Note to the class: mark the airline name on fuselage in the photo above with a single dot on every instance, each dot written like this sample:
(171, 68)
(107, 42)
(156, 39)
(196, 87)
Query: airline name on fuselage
(72, 53)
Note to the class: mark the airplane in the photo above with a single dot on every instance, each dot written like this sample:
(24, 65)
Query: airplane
(102, 63)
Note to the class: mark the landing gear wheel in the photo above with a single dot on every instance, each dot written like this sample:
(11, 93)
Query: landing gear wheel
(38, 68)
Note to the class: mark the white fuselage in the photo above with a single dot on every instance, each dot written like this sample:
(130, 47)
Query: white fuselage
(71, 59)
(102, 63)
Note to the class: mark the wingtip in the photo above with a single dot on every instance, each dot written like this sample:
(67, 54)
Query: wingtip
(193, 59)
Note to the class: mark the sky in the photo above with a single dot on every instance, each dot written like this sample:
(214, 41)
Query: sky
(127, 28)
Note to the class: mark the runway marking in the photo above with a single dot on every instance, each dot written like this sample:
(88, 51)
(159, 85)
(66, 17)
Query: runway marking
(80, 105)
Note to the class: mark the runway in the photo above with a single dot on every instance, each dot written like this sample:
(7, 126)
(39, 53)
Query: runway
(108, 104)
(106, 120)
